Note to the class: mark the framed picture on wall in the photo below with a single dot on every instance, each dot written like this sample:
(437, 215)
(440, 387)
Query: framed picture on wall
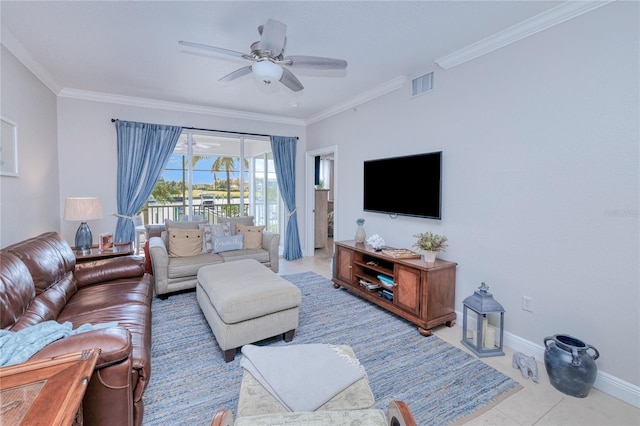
(105, 242)
(8, 148)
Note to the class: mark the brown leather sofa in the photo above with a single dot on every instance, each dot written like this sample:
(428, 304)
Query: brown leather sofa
(40, 281)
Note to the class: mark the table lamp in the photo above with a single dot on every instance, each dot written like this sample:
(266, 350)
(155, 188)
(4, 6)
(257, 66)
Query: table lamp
(83, 209)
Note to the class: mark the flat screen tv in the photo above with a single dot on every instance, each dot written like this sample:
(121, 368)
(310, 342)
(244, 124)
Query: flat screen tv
(408, 185)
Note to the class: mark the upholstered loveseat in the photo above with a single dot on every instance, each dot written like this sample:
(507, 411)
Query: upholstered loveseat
(40, 284)
(177, 270)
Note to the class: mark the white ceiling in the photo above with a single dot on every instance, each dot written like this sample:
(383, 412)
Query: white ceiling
(129, 49)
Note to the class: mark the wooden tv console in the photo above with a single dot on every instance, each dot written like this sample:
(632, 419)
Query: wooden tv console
(423, 294)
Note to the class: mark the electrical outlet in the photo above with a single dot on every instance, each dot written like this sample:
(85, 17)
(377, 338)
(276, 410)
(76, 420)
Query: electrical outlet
(527, 304)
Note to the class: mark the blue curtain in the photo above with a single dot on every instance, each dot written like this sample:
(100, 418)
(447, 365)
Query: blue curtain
(284, 159)
(143, 152)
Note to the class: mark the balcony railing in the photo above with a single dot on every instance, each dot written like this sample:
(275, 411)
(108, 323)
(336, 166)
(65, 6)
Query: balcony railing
(156, 214)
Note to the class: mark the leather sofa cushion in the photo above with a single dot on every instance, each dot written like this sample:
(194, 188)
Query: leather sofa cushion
(47, 305)
(108, 270)
(103, 297)
(16, 289)
(48, 258)
(180, 267)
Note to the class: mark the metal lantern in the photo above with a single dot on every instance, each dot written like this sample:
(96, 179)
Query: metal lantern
(483, 338)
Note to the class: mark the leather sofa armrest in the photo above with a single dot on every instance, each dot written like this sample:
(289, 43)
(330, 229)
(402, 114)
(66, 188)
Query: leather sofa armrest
(114, 344)
(160, 264)
(398, 413)
(222, 417)
(103, 270)
(108, 399)
(271, 243)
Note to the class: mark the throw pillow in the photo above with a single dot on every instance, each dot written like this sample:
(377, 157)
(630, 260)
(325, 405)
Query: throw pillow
(217, 230)
(252, 236)
(233, 221)
(184, 242)
(232, 242)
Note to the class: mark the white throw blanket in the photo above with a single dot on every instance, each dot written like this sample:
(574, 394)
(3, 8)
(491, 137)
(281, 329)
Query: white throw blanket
(302, 377)
(19, 346)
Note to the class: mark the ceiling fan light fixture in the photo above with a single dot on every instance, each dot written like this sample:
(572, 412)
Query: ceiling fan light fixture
(267, 71)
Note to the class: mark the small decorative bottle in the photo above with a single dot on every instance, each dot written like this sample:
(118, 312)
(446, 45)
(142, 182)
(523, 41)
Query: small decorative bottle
(360, 234)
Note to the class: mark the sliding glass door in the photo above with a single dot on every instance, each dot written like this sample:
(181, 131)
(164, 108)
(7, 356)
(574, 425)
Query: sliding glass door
(214, 175)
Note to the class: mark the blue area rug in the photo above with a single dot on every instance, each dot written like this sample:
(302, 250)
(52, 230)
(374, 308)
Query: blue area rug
(440, 383)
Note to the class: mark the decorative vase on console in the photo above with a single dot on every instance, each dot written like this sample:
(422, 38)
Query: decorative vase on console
(430, 245)
(360, 234)
(429, 256)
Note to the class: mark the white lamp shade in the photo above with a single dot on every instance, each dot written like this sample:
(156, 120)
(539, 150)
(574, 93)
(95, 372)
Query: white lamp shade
(82, 209)
(266, 71)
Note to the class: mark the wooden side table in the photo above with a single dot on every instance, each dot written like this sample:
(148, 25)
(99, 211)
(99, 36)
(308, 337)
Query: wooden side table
(46, 392)
(119, 249)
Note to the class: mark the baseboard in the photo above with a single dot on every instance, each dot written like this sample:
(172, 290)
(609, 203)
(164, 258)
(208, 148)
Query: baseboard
(607, 383)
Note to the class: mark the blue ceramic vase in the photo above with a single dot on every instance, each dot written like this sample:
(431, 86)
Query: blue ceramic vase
(571, 369)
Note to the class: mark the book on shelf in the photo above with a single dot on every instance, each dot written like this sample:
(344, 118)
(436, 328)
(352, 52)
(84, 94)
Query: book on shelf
(386, 294)
(385, 279)
(369, 285)
(400, 253)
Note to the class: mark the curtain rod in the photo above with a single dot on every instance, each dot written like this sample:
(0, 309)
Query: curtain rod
(113, 120)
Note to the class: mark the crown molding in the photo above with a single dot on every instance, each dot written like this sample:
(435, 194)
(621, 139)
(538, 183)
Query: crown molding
(526, 28)
(175, 106)
(367, 96)
(18, 50)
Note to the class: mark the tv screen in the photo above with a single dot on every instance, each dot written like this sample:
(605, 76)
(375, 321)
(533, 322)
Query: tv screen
(408, 186)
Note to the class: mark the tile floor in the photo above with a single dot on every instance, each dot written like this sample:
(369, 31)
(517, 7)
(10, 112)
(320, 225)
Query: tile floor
(537, 403)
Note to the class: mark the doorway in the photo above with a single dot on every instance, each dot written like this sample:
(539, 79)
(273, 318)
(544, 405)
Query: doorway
(321, 203)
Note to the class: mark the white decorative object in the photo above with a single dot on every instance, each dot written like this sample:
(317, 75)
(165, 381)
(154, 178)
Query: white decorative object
(376, 242)
(527, 365)
(490, 338)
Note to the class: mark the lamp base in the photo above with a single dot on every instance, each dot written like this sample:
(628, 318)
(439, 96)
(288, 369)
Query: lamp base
(84, 239)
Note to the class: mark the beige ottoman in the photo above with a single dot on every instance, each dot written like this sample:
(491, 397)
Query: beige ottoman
(245, 302)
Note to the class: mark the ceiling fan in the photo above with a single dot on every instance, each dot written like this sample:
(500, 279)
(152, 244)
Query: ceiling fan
(269, 62)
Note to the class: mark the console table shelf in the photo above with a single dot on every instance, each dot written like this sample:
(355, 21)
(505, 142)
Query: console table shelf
(423, 294)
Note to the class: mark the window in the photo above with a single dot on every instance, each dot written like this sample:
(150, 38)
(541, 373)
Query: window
(213, 175)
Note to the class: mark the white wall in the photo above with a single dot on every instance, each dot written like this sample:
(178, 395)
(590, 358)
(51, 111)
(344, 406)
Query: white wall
(29, 203)
(88, 163)
(540, 178)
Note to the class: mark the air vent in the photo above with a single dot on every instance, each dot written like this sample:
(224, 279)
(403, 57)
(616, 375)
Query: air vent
(422, 84)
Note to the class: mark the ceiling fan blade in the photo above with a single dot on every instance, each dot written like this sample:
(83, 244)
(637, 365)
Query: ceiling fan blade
(290, 80)
(237, 74)
(315, 62)
(215, 49)
(273, 37)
